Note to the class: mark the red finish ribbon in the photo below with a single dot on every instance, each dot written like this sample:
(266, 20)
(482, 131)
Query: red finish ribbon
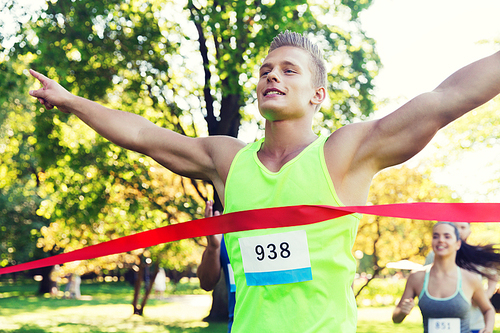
(270, 218)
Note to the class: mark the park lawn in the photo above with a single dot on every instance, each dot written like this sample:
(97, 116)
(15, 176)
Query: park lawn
(105, 307)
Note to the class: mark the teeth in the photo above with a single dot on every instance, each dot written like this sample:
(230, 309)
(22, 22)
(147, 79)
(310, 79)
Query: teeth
(273, 92)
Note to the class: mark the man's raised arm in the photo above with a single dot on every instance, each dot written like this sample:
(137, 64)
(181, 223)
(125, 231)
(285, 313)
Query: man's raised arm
(192, 157)
(403, 133)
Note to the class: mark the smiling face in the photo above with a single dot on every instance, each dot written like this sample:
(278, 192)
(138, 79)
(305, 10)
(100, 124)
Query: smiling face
(444, 240)
(285, 89)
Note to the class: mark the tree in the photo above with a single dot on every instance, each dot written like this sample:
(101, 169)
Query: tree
(83, 210)
(19, 181)
(146, 57)
(388, 239)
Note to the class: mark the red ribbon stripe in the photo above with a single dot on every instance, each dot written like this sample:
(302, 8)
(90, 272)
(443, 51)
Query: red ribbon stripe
(269, 218)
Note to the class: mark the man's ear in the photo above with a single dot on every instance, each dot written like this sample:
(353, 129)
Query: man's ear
(319, 96)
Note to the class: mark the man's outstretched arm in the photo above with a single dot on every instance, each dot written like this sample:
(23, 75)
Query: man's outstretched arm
(193, 157)
(403, 133)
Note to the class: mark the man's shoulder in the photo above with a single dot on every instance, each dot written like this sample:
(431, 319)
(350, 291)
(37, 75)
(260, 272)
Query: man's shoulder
(224, 139)
(349, 139)
(357, 128)
(223, 144)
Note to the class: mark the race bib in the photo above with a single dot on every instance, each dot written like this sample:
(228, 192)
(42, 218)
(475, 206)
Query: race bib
(444, 325)
(276, 259)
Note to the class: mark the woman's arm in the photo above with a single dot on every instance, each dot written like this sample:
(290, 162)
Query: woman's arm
(479, 297)
(407, 302)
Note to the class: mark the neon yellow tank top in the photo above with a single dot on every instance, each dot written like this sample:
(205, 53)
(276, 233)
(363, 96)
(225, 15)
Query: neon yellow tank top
(295, 279)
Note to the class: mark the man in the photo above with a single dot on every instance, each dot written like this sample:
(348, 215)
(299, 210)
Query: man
(293, 279)
(476, 316)
(214, 259)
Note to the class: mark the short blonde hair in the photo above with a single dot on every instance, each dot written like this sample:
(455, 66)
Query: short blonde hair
(289, 38)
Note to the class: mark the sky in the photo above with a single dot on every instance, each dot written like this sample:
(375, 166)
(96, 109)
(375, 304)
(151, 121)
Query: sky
(422, 42)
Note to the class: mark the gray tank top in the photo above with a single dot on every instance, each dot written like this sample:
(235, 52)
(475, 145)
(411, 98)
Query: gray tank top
(455, 306)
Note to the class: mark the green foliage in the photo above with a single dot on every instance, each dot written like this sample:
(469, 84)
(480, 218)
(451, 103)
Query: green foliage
(381, 292)
(19, 180)
(389, 239)
(147, 57)
(234, 37)
(90, 190)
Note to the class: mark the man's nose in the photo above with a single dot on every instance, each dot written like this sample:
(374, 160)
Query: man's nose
(273, 76)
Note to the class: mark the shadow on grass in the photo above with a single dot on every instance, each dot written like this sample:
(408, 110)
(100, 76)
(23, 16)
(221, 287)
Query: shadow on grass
(37, 303)
(28, 329)
(24, 297)
(74, 328)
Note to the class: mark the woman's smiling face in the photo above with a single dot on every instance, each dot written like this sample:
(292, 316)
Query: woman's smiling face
(444, 239)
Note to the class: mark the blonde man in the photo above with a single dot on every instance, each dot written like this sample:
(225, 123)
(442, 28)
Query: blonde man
(293, 279)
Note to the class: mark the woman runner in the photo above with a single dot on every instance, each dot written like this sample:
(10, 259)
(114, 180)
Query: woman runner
(446, 287)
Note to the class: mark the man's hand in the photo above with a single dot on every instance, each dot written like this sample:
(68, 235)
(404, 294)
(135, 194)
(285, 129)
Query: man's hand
(213, 241)
(51, 94)
(210, 267)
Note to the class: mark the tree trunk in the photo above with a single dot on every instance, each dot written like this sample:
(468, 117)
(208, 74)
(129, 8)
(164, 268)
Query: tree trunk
(46, 284)
(228, 124)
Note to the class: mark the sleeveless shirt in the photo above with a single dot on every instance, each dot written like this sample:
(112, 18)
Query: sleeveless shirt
(455, 306)
(295, 279)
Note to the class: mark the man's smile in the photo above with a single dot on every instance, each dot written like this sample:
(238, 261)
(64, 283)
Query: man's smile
(272, 92)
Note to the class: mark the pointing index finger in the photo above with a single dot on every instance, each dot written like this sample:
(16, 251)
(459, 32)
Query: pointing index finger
(38, 76)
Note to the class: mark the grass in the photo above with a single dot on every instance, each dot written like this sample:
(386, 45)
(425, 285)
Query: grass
(106, 307)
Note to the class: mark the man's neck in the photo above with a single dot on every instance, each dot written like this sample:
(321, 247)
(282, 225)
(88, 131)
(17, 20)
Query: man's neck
(284, 141)
(285, 137)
